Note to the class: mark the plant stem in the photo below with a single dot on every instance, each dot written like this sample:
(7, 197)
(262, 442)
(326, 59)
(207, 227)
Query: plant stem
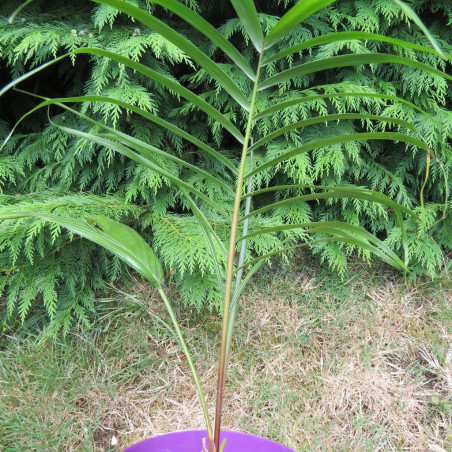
(230, 263)
(238, 279)
(183, 344)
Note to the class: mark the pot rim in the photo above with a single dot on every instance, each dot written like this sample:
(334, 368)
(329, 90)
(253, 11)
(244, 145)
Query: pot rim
(204, 432)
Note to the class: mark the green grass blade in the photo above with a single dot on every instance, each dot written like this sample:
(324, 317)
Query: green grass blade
(397, 263)
(339, 193)
(183, 44)
(135, 245)
(347, 36)
(285, 104)
(415, 18)
(392, 136)
(61, 102)
(117, 147)
(383, 199)
(18, 10)
(352, 234)
(153, 75)
(198, 22)
(246, 10)
(326, 118)
(301, 11)
(170, 84)
(209, 235)
(29, 74)
(142, 148)
(347, 61)
(116, 237)
(147, 150)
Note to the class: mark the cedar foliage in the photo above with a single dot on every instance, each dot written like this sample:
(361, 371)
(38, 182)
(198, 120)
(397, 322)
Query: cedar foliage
(70, 176)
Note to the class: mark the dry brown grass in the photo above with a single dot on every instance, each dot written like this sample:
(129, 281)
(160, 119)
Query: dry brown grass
(316, 365)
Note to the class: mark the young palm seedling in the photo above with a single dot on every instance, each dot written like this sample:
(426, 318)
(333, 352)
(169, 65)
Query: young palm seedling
(257, 100)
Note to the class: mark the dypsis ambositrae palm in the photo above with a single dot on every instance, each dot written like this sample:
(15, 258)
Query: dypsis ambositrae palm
(233, 275)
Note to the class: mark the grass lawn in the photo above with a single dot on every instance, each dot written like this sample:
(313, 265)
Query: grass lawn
(319, 364)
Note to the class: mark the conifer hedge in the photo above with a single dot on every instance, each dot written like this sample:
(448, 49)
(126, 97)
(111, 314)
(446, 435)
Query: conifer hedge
(43, 168)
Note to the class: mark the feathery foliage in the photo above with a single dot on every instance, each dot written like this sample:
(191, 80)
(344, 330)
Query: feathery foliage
(42, 157)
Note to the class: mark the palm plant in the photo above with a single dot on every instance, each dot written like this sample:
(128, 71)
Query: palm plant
(236, 187)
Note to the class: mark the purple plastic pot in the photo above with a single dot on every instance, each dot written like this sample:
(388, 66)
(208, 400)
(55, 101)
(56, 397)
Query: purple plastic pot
(191, 441)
